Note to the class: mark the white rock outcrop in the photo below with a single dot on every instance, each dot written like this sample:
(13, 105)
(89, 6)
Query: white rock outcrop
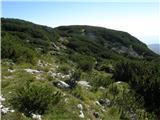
(36, 117)
(79, 106)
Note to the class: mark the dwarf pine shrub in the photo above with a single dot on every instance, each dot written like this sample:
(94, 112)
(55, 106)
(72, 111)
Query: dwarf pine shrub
(34, 97)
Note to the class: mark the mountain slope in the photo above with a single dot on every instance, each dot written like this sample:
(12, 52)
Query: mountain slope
(116, 41)
(76, 72)
(88, 39)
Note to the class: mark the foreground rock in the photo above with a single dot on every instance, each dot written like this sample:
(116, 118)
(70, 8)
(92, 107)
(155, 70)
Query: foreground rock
(61, 84)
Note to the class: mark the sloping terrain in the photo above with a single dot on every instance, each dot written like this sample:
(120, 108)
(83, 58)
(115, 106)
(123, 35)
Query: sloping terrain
(76, 72)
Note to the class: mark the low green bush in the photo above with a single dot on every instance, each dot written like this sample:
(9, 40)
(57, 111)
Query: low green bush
(84, 62)
(64, 68)
(17, 51)
(34, 97)
(101, 80)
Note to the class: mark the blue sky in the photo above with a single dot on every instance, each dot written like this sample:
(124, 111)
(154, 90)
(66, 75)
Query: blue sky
(138, 18)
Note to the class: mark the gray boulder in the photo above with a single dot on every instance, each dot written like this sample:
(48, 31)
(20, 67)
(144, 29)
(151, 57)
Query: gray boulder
(61, 84)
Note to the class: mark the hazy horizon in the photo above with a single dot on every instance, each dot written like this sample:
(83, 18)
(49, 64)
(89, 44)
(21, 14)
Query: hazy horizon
(138, 19)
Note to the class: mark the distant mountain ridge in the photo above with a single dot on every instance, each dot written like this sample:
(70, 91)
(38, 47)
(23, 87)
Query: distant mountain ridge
(155, 48)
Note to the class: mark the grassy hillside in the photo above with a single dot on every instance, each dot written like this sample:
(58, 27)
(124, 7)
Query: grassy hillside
(76, 72)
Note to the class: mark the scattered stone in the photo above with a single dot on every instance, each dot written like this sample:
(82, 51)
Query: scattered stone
(39, 49)
(103, 110)
(40, 63)
(97, 103)
(81, 115)
(63, 76)
(64, 94)
(8, 77)
(32, 71)
(12, 111)
(101, 88)
(39, 77)
(52, 74)
(11, 71)
(27, 41)
(36, 117)
(66, 100)
(2, 98)
(104, 102)
(58, 75)
(55, 46)
(5, 110)
(84, 84)
(61, 84)
(1, 106)
(119, 82)
(79, 106)
(133, 116)
(96, 114)
(67, 76)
